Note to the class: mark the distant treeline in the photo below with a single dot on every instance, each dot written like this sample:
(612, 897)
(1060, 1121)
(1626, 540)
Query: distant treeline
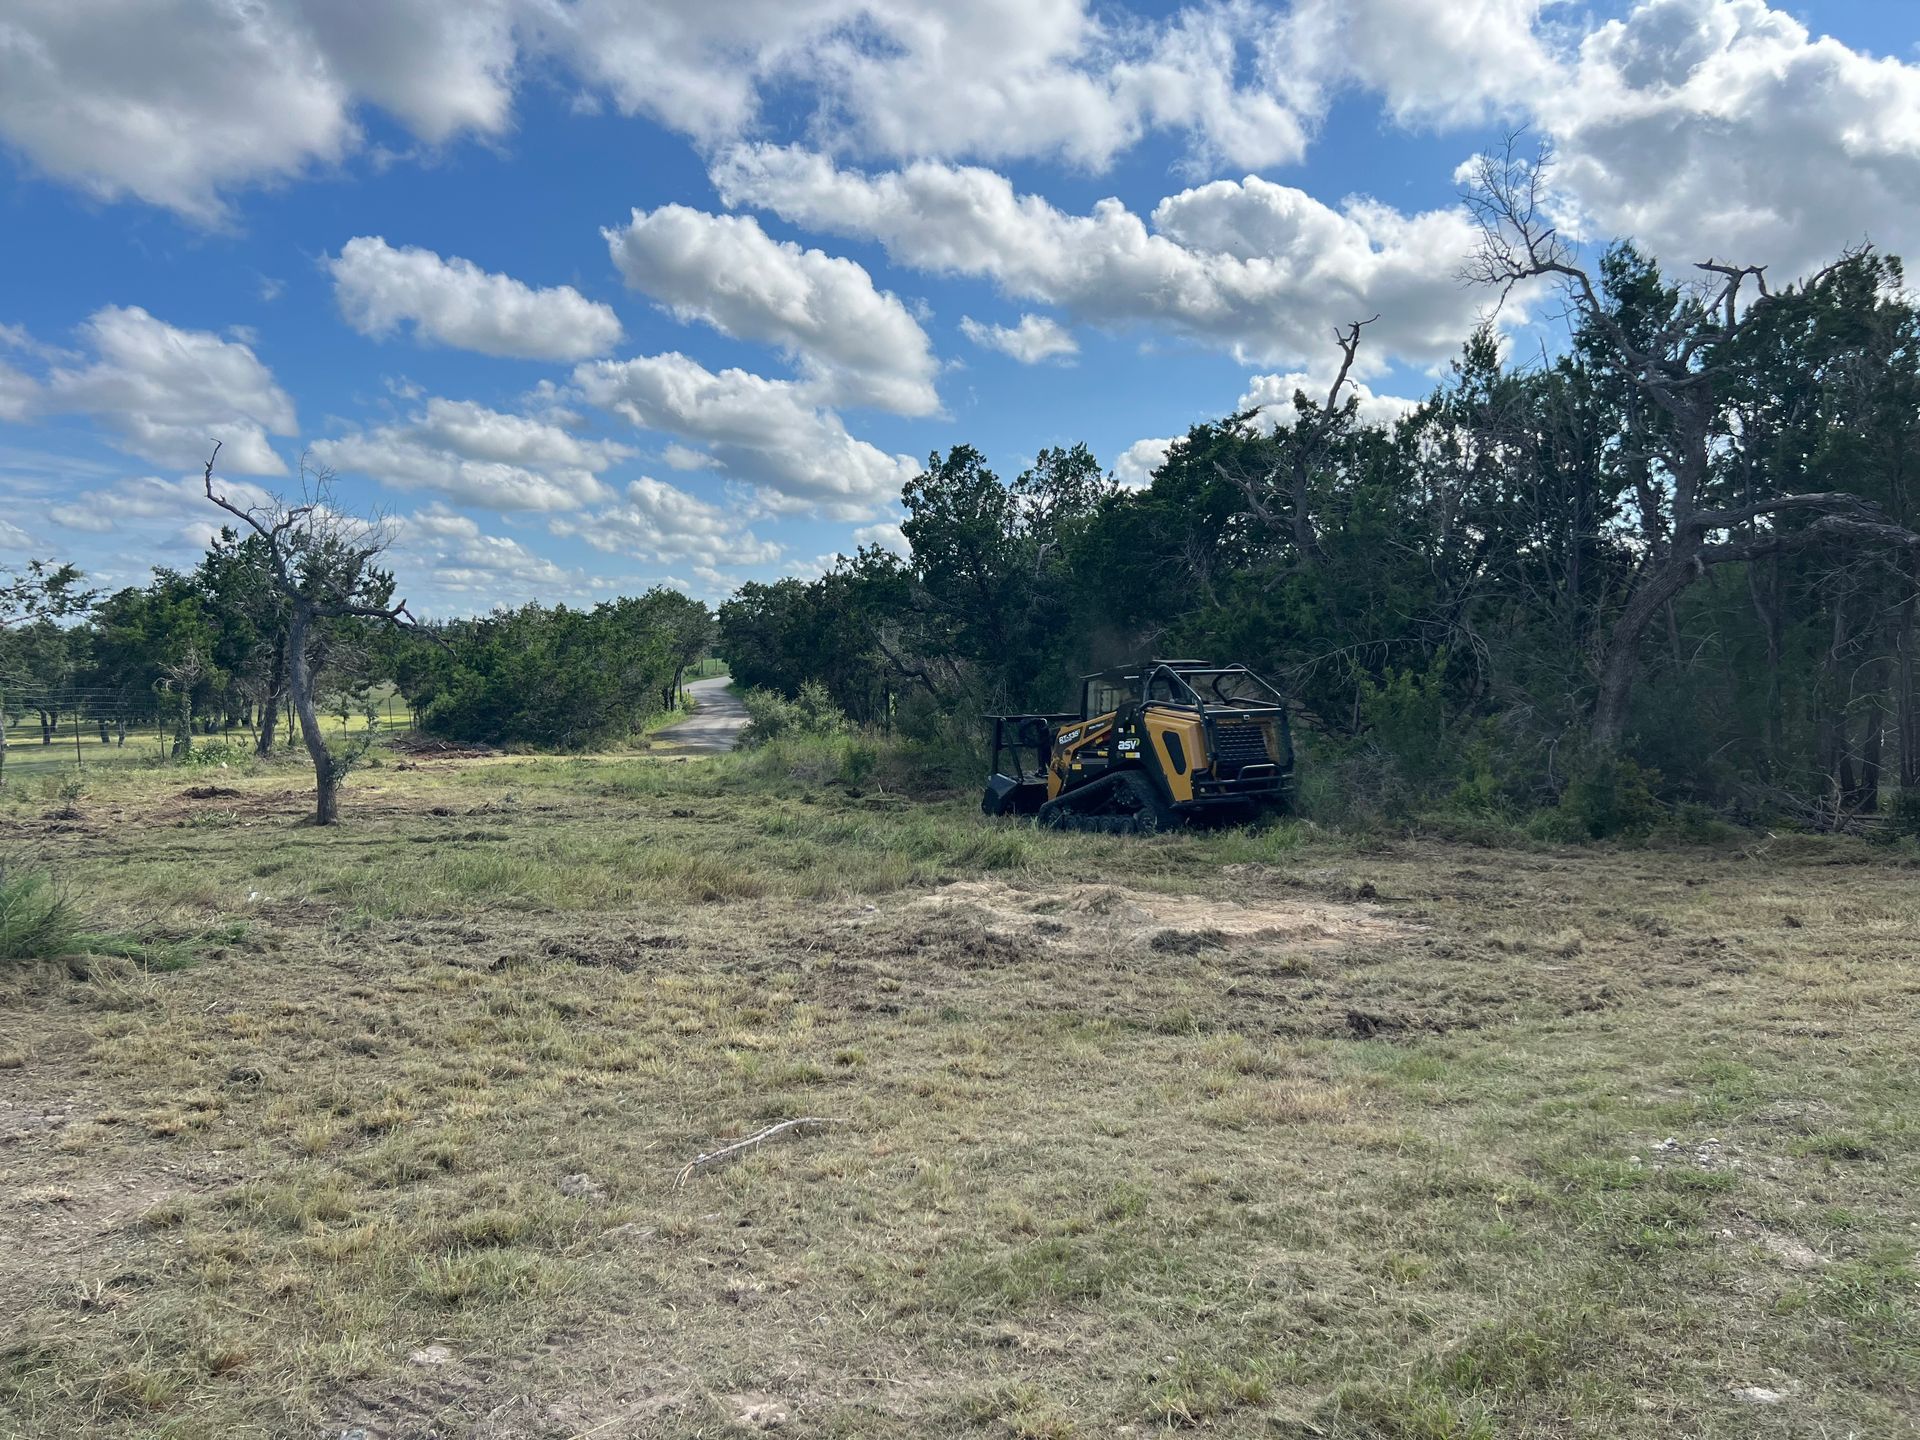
(1676, 563)
(204, 652)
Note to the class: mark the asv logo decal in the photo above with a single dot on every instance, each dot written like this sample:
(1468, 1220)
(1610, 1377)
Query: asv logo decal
(1129, 747)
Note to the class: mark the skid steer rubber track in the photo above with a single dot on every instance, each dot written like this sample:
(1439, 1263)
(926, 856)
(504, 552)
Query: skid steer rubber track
(1123, 804)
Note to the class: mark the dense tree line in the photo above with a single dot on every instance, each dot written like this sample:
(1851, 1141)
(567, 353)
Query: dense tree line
(551, 677)
(1679, 557)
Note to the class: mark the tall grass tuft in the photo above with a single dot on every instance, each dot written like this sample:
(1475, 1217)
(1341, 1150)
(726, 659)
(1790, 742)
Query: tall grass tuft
(36, 920)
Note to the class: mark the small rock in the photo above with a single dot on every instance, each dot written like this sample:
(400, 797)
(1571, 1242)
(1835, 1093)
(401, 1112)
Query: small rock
(582, 1186)
(356, 1433)
(431, 1355)
(1759, 1395)
(1667, 1144)
(762, 1412)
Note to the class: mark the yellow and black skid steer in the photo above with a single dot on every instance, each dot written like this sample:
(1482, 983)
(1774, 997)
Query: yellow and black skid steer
(1153, 746)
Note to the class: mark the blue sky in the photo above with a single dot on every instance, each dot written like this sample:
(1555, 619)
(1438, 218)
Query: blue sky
(592, 296)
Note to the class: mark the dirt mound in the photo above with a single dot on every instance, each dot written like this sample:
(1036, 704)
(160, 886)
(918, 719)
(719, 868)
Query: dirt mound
(1177, 924)
(209, 792)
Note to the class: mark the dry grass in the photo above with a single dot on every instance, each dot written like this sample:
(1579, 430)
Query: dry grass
(1141, 1135)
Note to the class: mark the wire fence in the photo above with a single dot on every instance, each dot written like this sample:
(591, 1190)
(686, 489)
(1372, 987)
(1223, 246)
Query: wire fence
(77, 727)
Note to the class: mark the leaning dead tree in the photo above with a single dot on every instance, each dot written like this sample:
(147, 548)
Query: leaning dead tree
(1676, 364)
(322, 562)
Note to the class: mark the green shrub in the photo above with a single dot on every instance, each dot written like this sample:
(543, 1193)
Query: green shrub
(1607, 798)
(1903, 815)
(1405, 715)
(218, 755)
(1699, 825)
(36, 920)
(771, 715)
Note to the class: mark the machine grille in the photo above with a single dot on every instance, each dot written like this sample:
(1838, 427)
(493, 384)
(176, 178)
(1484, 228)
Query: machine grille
(1240, 744)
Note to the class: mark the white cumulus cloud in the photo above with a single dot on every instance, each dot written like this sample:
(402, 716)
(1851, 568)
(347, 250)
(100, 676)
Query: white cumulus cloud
(163, 393)
(477, 456)
(1724, 129)
(454, 302)
(441, 67)
(150, 504)
(856, 342)
(905, 78)
(1457, 63)
(1262, 270)
(18, 393)
(768, 433)
(444, 561)
(1033, 339)
(167, 100)
(1134, 469)
(887, 535)
(1272, 396)
(662, 523)
(180, 102)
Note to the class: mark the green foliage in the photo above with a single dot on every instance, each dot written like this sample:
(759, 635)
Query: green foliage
(1903, 815)
(1408, 729)
(1609, 797)
(555, 678)
(812, 712)
(36, 920)
(218, 755)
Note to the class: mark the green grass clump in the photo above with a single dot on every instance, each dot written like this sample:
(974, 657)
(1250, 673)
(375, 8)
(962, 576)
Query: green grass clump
(37, 922)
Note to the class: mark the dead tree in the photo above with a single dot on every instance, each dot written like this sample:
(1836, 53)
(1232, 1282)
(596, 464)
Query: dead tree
(1677, 371)
(1300, 452)
(321, 561)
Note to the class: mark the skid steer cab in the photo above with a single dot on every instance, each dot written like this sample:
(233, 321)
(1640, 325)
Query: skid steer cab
(1153, 746)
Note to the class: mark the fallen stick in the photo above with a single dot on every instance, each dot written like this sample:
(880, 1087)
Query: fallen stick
(727, 1153)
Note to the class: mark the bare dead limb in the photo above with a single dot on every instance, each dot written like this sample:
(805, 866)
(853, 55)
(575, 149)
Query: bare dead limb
(726, 1154)
(1301, 451)
(1349, 342)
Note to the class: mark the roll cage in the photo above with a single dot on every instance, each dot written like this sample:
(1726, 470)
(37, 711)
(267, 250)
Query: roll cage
(1197, 685)
(1189, 684)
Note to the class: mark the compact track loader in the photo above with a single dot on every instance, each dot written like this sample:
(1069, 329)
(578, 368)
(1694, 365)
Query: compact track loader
(1165, 743)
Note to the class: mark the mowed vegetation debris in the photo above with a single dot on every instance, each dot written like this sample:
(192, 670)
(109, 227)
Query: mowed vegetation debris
(374, 1130)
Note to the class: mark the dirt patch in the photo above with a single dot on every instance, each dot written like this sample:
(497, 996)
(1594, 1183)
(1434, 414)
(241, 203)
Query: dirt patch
(1170, 924)
(209, 792)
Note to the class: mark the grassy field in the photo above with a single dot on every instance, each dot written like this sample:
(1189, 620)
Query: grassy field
(32, 755)
(379, 1129)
